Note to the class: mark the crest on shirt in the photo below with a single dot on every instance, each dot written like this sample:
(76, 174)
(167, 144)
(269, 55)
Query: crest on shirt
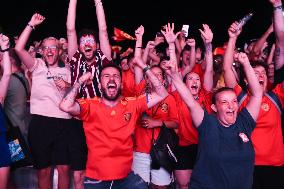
(165, 107)
(244, 137)
(265, 107)
(127, 117)
(113, 113)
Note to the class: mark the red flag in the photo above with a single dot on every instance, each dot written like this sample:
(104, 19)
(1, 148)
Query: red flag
(126, 53)
(120, 35)
(116, 48)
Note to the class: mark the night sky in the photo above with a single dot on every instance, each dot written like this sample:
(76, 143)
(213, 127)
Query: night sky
(129, 14)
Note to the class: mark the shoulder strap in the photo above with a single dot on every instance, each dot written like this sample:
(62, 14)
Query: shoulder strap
(276, 101)
(241, 97)
(274, 98)
(23, 83)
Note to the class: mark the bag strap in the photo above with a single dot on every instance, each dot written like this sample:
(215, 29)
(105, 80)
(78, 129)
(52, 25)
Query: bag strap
(23, 83)
(8, 121)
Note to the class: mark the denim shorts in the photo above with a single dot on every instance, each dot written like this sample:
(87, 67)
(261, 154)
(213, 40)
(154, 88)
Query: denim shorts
(132, 181)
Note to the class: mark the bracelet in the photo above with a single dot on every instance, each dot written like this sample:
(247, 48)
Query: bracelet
(146, 69)
(139, 47)
(98, 3)
(277, 7)
(31, 26)
(4, 50)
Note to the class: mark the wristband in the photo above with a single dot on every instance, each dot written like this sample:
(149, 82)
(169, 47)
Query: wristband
(146, 69)
(31, 26)
(4, 50)
(98, 3)
(277, 7)
(139, 47)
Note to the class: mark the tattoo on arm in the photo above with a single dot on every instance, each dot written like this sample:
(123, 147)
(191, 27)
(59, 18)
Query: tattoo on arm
(72, 92)
(277, 56)
(208, 47)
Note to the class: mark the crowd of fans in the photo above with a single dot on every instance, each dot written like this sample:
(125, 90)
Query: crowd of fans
(95, 113)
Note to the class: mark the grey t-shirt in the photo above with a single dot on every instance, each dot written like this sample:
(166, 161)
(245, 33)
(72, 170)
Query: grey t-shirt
(15, 104)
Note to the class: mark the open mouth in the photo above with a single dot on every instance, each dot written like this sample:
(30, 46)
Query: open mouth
(88, 49)
(195, 87)
(111, 86)
(230, 113)
(261, 82)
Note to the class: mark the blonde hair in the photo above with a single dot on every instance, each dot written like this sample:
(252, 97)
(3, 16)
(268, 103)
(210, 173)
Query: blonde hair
(50, 38)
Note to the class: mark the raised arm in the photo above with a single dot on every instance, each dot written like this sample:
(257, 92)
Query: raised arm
(254, 103)
(139, 41)
(171, 37)
(207, 37)
(6, 66)
(138, 53)
(230, 79)
(270, 64)
(71, 29)
(24, 55)
(160, 91)
(150, 46)
(278, 23)
(103, 35)
(258, 47)
(68, 103)
(196, 110)
(192, 59)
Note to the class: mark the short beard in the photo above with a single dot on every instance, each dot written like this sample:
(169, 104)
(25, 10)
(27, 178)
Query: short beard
(111, 98)
(89, 59)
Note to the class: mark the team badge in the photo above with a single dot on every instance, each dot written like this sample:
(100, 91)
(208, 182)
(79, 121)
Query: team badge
(265, 107)
(127, 116)
(165, 107)
(113, 112)
(244, 137)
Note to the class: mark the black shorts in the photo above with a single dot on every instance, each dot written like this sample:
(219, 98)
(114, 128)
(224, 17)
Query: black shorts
(49, 141)
(268, 177)
(77, 146)
(186, 156)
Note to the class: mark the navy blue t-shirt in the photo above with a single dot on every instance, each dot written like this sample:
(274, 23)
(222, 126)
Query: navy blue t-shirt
(225, 158)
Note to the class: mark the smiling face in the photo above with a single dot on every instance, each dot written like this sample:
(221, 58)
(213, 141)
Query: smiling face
(193, 83)
(110, 83)
(88, 46)
(226, 107)
(50, 51)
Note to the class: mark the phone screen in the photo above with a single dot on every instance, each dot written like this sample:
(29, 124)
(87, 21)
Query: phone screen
(185, 29)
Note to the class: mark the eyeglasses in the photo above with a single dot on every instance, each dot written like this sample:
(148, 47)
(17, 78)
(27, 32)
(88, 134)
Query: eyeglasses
(52, 48)
(87, 40)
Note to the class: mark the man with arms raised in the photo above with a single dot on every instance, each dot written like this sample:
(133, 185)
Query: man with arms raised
(109, 123)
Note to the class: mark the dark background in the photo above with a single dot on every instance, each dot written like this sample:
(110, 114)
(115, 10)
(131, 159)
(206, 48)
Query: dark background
(129, 14)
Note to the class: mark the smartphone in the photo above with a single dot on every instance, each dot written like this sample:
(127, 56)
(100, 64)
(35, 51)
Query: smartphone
(185, 29)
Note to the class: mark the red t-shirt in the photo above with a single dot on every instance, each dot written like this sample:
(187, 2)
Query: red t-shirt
(267, 136)
(198, 69)
(128, 83)
(109, 132)
(165, 111)
(187, 132)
